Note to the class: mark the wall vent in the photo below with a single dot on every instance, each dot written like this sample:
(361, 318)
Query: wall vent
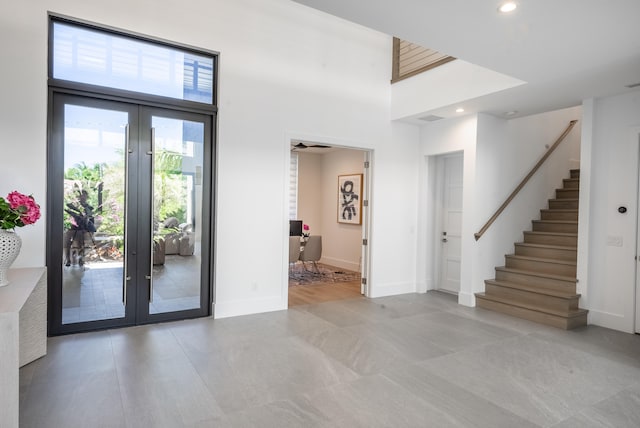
(430, 118)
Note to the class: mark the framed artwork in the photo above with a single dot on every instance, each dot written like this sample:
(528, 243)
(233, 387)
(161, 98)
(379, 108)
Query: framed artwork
(350, 199)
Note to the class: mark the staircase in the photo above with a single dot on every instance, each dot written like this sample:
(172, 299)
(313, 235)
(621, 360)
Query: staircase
(538, 282)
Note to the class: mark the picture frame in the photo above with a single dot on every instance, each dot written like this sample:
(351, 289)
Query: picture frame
(350, 199)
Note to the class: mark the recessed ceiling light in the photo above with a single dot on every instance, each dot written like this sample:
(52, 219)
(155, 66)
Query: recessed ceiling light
(511, 113)
(459, 110)
(507, 7)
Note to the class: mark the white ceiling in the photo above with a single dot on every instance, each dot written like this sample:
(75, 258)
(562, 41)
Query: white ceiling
(566, 50)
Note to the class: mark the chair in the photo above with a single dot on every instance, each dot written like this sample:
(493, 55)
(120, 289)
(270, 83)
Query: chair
(312, 251)
(179, 239)
(294, 250)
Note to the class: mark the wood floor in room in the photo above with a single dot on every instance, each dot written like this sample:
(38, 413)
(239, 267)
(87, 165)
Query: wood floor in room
(323, 292)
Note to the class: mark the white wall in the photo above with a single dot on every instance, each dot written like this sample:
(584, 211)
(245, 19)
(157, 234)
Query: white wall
(394, 204)
(285, 69)
(342, 243)
(310, 191)
(317, 204)
(614, 123)
(439, 138)
(445, 85)
(506, 152)
(497, 155)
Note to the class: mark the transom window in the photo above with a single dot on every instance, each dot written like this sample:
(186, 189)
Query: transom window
(98, 57)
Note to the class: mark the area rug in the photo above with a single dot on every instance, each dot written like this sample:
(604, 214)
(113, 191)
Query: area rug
(300, 274)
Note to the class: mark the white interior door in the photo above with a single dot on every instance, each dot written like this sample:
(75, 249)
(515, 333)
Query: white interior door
(451, 221)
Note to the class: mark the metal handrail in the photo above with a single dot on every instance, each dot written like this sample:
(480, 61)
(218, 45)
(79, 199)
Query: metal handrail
(524, 181)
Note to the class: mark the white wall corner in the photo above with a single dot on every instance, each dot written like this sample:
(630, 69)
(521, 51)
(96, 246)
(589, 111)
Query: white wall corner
(424, 286)
(584, 210)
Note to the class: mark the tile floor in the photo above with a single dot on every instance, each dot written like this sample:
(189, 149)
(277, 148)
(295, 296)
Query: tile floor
(405, 361)
(94, 292)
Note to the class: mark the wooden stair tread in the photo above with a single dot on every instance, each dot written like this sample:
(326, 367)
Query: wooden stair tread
(565, 199)
(533, 289)
(547, 246)
(538, 232)
(560, 210)
(556, 221)
(538, 274)
(563, 314)
(541, 259)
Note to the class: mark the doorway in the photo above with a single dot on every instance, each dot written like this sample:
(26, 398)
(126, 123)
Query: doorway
(316, 199)
(129, 214)
(449, 220)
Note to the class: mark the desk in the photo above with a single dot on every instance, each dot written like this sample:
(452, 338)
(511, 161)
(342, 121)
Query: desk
(23, 334)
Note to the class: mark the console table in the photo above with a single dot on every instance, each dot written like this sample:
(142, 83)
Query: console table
(23, 333)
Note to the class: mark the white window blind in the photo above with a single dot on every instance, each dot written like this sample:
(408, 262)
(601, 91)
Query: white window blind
(293, 187)
(96, 57)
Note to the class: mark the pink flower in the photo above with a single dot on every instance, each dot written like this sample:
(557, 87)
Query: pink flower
(25, 205)
(16, 199)
(305, 227)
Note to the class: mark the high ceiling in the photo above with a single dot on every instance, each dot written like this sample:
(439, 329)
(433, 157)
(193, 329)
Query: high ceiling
(566, 50)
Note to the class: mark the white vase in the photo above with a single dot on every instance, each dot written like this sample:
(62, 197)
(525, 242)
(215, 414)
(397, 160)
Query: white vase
(10, 244)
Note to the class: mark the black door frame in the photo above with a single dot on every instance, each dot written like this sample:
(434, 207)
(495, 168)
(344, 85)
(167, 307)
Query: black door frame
(136, 295)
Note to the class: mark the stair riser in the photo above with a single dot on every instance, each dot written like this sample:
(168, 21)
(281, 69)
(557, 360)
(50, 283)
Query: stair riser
(555, 227)
(559, 215)
(567, 193)
(541, 267)
(566, 241)
(548, 283)
(539, 300)
(559, 204)
(535, 316)
(546, 253)
(571, 183)
(575, 173)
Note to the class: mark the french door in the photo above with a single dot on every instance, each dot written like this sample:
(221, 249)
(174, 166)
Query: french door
(129, 201)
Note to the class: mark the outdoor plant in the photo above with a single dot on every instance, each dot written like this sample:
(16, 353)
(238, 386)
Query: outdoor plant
(18, 210)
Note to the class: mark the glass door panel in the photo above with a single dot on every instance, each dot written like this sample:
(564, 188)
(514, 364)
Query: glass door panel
(93, 217)
(178, 156)
(130, 214)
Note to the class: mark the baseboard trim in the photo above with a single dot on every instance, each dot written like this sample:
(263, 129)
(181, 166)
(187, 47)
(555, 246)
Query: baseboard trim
(391, 289)
(247, 307)
(344, 264)
(423, 287)
(467, 299)
(610, 320)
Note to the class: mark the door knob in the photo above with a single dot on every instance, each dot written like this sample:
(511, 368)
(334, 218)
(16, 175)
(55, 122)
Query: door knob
(444, 240)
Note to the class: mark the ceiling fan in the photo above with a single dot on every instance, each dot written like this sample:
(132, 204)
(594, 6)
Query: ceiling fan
(302, 146)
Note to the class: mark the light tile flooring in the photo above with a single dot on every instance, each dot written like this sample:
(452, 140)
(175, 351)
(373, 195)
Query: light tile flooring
(94, 292)
(417, 360)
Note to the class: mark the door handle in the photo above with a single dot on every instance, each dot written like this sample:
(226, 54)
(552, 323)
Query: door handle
(153, 167)
(125, 267)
